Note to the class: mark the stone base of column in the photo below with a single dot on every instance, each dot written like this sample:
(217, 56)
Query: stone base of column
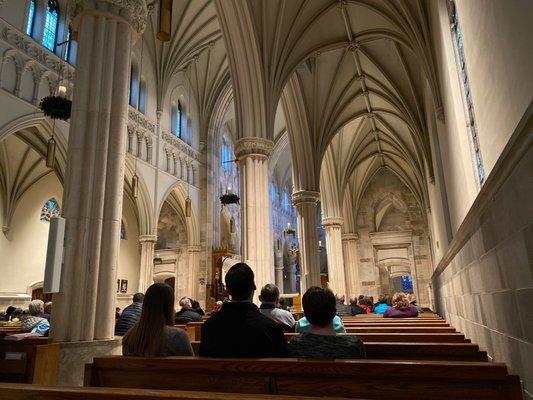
(74, 355)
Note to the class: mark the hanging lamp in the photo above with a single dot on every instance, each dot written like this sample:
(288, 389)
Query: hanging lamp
(188, 203)
(165, 20)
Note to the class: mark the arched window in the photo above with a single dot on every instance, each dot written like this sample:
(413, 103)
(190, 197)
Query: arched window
(226, 156)
(68, 39)
(176, 119)
(50, 25)
(134, 86)
(286, 201)
(142, 97)
(31, 18)
(122, 230)
(49, 210)
(273, 193)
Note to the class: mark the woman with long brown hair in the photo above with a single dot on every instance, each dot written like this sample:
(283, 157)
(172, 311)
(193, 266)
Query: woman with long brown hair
(154, 335)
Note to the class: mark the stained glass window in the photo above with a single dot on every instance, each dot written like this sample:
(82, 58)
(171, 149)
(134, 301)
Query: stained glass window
(122, 230)
(176, 120)
(273, 193)
(226, 156)
(286, 201)
(31, 18)
(134, 86)
(469, 105)
(49, 210)
(50, 25)
(67, 50)
(407, 283)
(142, 97)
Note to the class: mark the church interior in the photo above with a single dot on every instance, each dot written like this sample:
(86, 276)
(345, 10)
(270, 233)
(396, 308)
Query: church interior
(366, 146)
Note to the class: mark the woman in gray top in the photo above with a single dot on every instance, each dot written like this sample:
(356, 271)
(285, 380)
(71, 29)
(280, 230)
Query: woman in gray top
(154, 335)
(322, 341)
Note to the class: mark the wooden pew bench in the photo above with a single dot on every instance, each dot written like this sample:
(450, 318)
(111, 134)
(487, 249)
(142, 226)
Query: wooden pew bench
(415, 351)
(31, 360)
(372, 379)
(14, 391)
(393, 329)
(397, 324)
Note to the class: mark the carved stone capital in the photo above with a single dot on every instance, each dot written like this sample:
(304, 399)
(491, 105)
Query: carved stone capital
(305, 196)
(350, 236)
(135, 12)
(332, 222)
(254, 146)
(147, 239)
(194, 248)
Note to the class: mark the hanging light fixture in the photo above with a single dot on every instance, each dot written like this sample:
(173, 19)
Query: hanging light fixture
(135, 185)
(165, 20)
(188, 206)
(51, 152)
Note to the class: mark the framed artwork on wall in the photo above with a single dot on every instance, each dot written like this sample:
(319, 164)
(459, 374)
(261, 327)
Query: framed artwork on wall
(123, 286)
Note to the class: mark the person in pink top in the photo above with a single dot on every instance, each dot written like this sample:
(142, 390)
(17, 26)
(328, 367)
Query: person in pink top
(401, 308)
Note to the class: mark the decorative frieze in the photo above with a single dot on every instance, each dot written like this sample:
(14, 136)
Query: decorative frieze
(305, 196)
(180, 145)
(253, 146)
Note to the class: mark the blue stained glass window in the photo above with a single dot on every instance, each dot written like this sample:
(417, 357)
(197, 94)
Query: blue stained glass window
(31, 18)
(273, 193)
(461, 61)
(226, 156)
(50, 25)
(407, 283)
(49, 210)
(67, 50)
(286, 201)
(176, 120)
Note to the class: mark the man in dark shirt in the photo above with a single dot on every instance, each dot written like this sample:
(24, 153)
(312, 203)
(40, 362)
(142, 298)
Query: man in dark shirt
(342, 309)
(239, 329)
(130, 315)
(186, 314)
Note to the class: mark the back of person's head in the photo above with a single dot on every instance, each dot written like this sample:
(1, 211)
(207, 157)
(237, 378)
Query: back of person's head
(340, 298)
(269, 293)
(353, 299)
(36, 307)
(240, 282)
(361, 297)
(412, 298)
(383, 298)
(319, 306)
(194, 304)
(17, 313)
(144, 338)
(400, 301)
(138, 297)
(281, 301)
(10, 310)
(367, 301)
(48, 307)
(185, 302)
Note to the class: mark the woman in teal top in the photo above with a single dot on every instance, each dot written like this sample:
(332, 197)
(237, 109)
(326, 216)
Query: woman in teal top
(382, 305)
(303, 325)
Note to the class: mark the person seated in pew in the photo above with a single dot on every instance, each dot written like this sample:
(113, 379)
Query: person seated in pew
(48, 310)
(342, 309)
(34, 321)
(282, 304)
(303, 325)
(9, 311)
(354, 307)
(321, 341)
(239, 329)
(196, 307)
(130, 315)
(186, 314)
(269, 298)
(155, 335)
(217, 307)
(382, 305)
(366, 304)
(412, 300)
(400, 307)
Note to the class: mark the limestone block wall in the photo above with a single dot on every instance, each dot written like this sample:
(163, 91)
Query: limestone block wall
(484, 283)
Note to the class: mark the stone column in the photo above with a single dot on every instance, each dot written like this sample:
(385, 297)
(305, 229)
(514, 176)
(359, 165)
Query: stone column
(253, 154)
(291, 277)
(194, 271)
(336, 275)
(305, 202)
(146, 275)
(94, 180)
(351, 271)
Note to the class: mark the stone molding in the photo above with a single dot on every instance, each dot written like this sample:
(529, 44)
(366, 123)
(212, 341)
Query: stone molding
(147, 238)
(135, 12)
(305, 196)
(349, 236)
(335, 222)
(136, 118)
(180, 145)
(193, 248)
(254, 146)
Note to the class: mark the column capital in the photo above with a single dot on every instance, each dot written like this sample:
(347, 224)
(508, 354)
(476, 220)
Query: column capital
(134, 12)
(305, 196)
(147, 238)
(253, 146)
(350, 236)
(332, 222)
(194, 248)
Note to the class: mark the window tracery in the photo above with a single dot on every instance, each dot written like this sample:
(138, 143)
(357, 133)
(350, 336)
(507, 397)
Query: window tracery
(50, 25)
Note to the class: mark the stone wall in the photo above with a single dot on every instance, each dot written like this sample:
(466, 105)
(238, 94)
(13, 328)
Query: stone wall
(484, 283)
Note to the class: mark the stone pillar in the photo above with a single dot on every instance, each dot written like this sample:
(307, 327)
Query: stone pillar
(336, 275)
(351, 271)
(291, 277)
(194, 271)
(146, 275)
(305, 202)
(253, 154)
(94, 180)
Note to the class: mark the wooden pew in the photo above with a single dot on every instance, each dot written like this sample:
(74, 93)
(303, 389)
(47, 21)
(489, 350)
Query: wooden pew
(392, 329)
(415, 351)
(14, 391)
(372, 379)
(31, 360)
(396, 324)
